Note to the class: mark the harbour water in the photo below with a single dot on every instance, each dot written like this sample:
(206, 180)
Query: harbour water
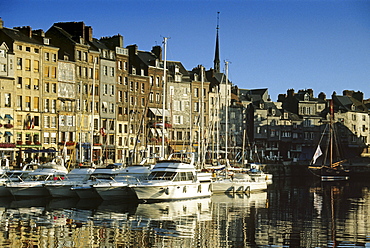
(291, 213)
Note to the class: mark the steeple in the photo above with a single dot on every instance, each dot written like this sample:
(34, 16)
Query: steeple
(216, 61)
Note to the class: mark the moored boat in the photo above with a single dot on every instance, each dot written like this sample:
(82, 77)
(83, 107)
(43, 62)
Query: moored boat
(74, 177)
(33, 184)
(173, 179)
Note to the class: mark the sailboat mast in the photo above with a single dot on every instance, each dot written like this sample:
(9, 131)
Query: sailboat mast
(92, 117)
(331, 131)
(202, 143)
(226, 110)
(164, 93)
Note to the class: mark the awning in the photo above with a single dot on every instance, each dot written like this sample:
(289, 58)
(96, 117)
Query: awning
(9, 117)
(158, 112)
(7, 133)
(30, 150)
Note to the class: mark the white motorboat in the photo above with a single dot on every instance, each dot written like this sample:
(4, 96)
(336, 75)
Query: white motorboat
(12, 176)
(117, 188)
(173, 179)
(33, 184)
(101, 176)
(256, 173)
(74, 177)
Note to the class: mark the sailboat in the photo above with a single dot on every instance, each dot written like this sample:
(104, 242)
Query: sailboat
(331, 170)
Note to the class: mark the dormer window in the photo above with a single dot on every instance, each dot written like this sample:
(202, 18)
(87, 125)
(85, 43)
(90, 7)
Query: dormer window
(306, 97)
(353, 107)
(46, 41)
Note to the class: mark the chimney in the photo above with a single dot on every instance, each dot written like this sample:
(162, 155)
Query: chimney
(26, 30)
(157, 50)
(322, 96)
(132, 50)
(290, 93)
(359, 96)
(88, 33)
(1, 23)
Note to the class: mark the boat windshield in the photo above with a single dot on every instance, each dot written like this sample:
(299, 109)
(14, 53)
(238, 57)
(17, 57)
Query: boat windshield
(161, 175)
(184, 176)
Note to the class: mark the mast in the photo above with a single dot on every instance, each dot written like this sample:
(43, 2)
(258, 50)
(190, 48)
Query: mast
(92, 117)
(331, 132)
(164, 92)
(226, 111)
(202, 118)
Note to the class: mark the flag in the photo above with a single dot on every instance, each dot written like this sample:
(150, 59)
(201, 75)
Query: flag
(317, 154)
(102, 131)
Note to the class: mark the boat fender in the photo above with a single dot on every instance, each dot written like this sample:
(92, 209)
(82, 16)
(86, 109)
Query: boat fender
(184, 190)
(167, 191)
(199, 188)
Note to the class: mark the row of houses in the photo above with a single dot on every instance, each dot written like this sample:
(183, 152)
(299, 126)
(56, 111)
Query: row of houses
(97, 100)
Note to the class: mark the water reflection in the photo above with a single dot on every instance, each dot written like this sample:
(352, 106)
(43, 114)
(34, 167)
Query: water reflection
(289, 214)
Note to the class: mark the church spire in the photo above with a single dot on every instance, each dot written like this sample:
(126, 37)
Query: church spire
(216, 61)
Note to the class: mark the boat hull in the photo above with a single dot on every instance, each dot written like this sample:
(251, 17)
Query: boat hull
(29, 190)
(85, 192)
(170, 191)
(331, 174)
(59, 191)
(115, 192)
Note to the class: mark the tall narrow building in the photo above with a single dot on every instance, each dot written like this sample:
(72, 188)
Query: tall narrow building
(216, 61)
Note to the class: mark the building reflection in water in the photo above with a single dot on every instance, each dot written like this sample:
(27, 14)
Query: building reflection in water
(287, 215)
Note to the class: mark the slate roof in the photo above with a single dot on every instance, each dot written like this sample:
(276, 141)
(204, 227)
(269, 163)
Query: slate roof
(16, 35)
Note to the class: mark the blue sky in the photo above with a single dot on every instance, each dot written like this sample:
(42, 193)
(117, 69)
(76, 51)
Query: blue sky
(322, 45)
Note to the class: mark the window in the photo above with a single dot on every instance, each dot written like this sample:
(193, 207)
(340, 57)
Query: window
(54, 87)
(47, 56)
(47, 87)
(112, 71)
(196, 92)
(19, 63)
(36, 66)
(151, 97)
(142, 87)
(157, 99)
(35, 103)
(54, 72)
(46, 121)
(27, 83)
(112, 89)
(28, 65)
(19, 102)
(196, 106)
(19, 83)
(28, 102)
(46, 71)
(125, 66)
(157, 81)
(46, 138)
(46, 105)
(105, 70)
(8, 100)
(37, 50)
